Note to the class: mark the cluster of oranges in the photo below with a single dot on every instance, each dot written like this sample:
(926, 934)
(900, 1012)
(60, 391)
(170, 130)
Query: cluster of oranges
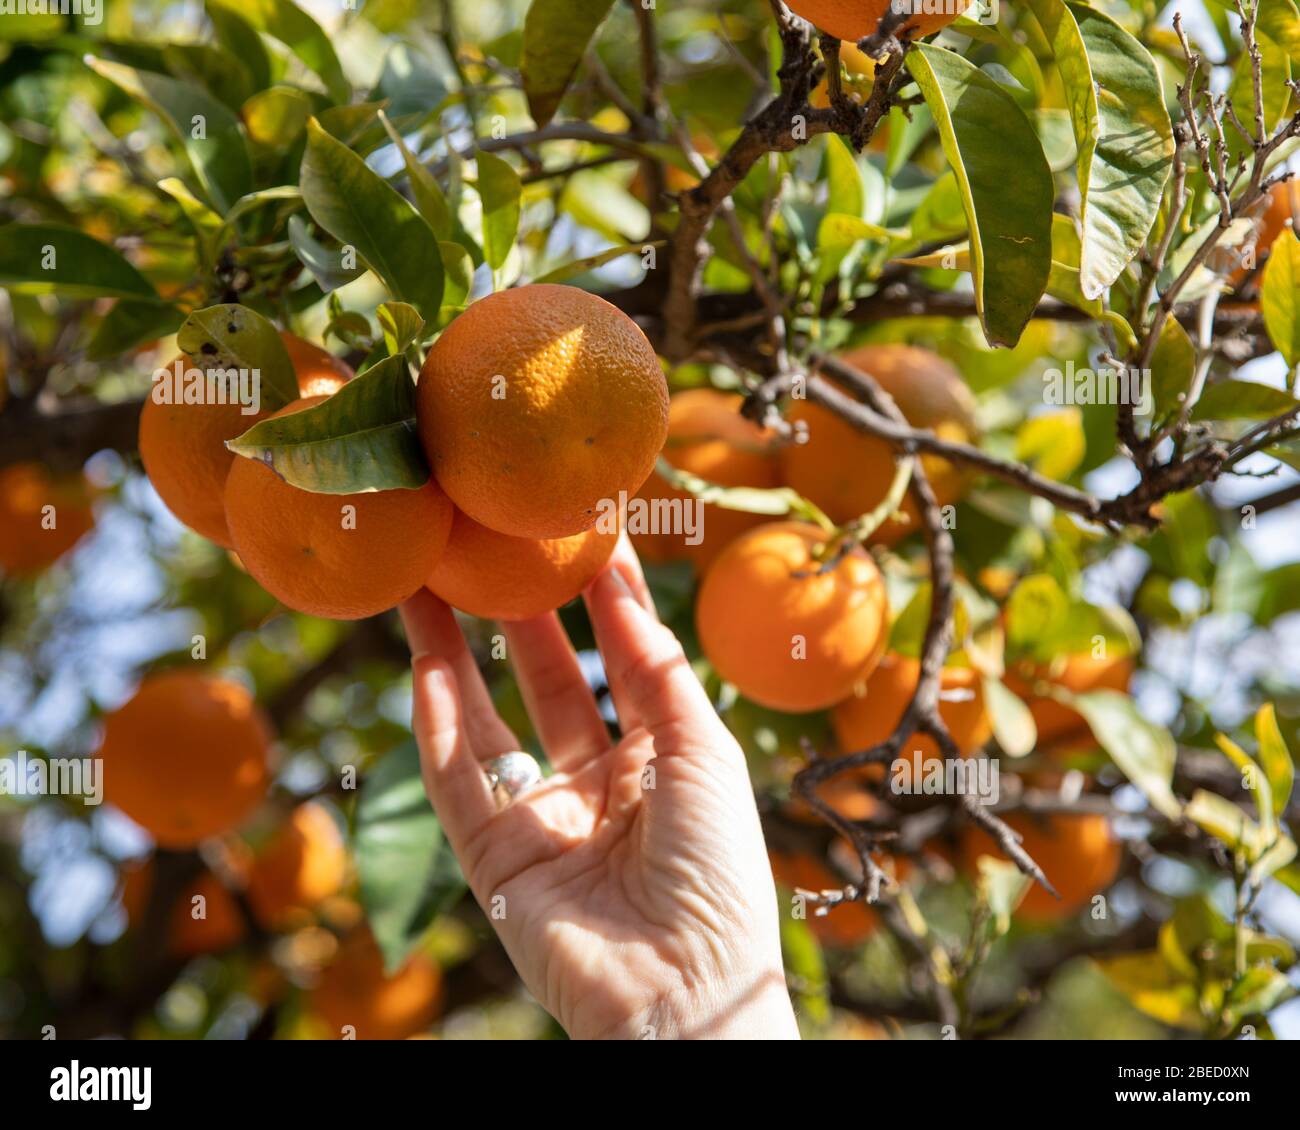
(799, 622)
(189, 759)
(539, 409)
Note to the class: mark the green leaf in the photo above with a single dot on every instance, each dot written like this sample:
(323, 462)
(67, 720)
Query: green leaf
(458, 267)
(1001, 886)
(591, 262)
(231, 336)
(429, 199)
(211, 135)
(1279, 296)
(1013, 724)
(130, 323)
(240, 38)
(53, 259)
(1259, 991)
(407, 872)
(401, 325)
(324, 263)
(556, 34)
(1143, 750)
(1274, 757)
(1155, 989)
(361, 439)
(837, 231)
(1053, 443)
(300, 33)
(1242, 400)
(846, 194)
(275, 118)
(1172, 367)
(360, 208)
(500, 189)
(1122, 131)
(984, 133)
(1223, 820)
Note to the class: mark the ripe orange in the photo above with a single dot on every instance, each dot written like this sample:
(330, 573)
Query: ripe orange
(858, 63)
(1078, 674)
(221, 927)
(500, 577)
(1278, 209)
(183, 446)
(186, 757)
(847, 473)
(304, 864)
(707, 437)
(1077, 852)
(793, 643)
(353, 991)
(538, 406)
(856, 19)
(340, 556)
(872, 713)
(32, 537)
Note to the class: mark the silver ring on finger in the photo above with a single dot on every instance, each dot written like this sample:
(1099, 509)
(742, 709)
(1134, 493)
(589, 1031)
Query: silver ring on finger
(511, 775)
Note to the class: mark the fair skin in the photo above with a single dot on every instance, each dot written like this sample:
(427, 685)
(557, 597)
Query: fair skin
(631, 888)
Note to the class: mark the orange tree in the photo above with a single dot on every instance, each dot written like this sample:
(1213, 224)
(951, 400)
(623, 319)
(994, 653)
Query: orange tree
(933, 371)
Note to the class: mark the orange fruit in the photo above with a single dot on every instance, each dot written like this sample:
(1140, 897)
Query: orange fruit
(499, 577)
(1077, 674)
(707, 437)
(856, 19)
(538, 407)
(304, 864)
(1275, 213)
(340, 556)
(873, 712)
(183, 446)
(858, 63)
(848, 473)
(186, 757)
(31, 536)
(355, 992)
(220, 928)
(793, 643)
(1077, 851)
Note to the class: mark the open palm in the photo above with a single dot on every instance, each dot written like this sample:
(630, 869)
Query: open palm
(631, 889)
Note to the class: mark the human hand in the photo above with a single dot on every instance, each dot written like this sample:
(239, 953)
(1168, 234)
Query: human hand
(632, 888)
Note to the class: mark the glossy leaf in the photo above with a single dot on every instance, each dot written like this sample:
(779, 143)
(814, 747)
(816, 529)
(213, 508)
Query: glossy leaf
(401, 325)
(408, 874)
(1279, 297)
(325, 264)
(211, 135)
(231, 336)
(1172, 366)
(1143, 750)
(984, 133)
(1013, 724)
(429, 199)
(360, 208)
(53, 259)
(293, 27)
(1242, 400)
(500, 190)
(591, 262)
(1121, 129)
(1274, 757)
(556, 34)
(361, 439)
